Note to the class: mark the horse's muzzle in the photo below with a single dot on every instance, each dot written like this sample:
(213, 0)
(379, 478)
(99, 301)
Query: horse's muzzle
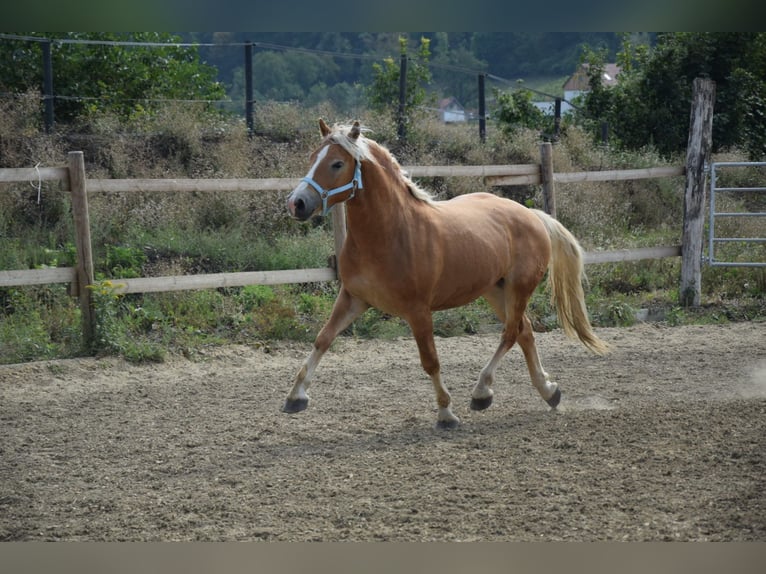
(302, 204)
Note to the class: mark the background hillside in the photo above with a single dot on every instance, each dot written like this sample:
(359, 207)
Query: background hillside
(289, 66)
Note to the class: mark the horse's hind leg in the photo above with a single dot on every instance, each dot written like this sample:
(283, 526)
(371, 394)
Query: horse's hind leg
(548, 389)
(510, 308)
(346, 309)
(481, 397)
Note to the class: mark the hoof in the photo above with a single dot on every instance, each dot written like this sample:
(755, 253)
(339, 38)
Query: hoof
(555, 399)
(295, 405)
(481, 404)
(448, 425)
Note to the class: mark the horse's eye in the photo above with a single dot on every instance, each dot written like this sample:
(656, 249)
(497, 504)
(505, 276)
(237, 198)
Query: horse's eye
(337, 165)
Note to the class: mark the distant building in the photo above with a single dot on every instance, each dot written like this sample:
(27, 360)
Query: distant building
(451, 111)
(577, 84)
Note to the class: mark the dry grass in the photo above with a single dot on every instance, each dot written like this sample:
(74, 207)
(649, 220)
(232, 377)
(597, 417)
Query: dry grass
(188, 141)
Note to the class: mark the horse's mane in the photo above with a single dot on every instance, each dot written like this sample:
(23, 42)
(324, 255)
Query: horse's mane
(363, 148)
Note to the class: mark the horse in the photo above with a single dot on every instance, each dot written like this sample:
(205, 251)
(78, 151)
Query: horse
(408, 255)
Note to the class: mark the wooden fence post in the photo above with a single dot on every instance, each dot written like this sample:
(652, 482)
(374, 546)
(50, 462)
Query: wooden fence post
(84, 266)
(546, 178)
(697, 160)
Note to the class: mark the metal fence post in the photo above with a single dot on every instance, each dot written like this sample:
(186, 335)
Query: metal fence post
(249, 108)
(47, 85)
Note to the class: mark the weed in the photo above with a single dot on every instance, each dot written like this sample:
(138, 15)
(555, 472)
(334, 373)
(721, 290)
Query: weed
(278, 320)
(124, 262)
(38, 322)
(138, 351)
(113, 329)
(467, 320)
(23, 333)
(109, 332)
(253, 296)
(375, 324)
(615, 313)
(675, 316)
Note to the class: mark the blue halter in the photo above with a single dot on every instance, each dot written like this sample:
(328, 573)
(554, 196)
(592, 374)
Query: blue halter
(353, 185)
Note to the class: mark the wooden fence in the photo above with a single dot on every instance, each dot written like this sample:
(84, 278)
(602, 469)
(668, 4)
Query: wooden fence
(81, 276)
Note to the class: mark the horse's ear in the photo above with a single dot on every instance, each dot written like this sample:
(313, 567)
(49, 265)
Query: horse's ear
(323, 127)
(355, 131)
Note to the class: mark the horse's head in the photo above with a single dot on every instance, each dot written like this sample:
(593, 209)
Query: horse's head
(334, 177)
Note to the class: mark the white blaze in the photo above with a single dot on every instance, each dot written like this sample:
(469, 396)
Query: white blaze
(320, 156)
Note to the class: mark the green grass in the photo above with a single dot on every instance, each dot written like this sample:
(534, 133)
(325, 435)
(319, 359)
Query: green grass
(207, 251)
(40, 322)
(553, 85)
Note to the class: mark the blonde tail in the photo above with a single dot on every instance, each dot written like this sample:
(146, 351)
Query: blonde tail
(566, 274)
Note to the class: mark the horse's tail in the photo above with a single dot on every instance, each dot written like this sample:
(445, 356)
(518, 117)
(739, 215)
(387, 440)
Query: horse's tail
(566, 274)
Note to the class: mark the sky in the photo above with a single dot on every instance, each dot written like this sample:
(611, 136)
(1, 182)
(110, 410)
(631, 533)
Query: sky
(381, 15)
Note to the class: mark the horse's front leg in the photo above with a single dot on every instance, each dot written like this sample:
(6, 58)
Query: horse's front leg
(344, 311)
(422, 329)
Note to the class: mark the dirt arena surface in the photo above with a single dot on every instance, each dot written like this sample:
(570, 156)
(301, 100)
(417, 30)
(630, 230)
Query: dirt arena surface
(663, 439)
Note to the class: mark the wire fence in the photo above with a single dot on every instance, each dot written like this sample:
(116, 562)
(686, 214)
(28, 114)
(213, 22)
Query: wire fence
(231, 102)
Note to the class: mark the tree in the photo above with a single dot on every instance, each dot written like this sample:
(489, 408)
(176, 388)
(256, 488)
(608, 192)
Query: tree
(291, 75)
(383, 93)
(525, 54)
(650, 104)
(515, 110)
(94, 75)
(452, 59)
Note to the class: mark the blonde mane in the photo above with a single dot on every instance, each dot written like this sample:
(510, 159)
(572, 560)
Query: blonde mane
(364, 149)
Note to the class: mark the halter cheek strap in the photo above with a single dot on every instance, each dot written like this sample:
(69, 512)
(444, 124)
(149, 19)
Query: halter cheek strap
(353, 185)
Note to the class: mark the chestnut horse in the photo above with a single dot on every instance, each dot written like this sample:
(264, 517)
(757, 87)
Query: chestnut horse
(409, 255)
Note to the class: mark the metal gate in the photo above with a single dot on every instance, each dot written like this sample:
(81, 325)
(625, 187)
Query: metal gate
(720, 260)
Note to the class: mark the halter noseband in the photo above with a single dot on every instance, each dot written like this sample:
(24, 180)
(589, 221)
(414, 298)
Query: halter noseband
(353, 185)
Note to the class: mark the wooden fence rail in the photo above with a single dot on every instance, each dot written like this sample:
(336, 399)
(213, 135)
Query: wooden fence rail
(191, 185)
(34, 174)
(216, 280)
(584, 176)
(39, 277)
(82, 276)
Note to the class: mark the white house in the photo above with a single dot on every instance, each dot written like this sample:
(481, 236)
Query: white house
(451, 111)
(577, 84)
